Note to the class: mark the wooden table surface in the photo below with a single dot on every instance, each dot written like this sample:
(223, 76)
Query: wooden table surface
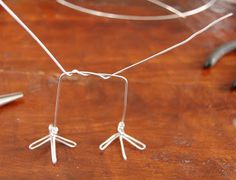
(183, 113)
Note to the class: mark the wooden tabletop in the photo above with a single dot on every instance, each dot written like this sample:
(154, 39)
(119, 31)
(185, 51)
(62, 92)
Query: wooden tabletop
(181, 112)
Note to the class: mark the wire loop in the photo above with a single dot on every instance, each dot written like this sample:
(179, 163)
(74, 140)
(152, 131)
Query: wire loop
(52, 137)
(122, 135)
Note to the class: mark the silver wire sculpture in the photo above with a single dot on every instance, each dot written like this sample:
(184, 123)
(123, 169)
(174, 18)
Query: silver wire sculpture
(53, 129)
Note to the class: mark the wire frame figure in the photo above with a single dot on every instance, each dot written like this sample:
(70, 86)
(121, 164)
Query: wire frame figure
(53, 136)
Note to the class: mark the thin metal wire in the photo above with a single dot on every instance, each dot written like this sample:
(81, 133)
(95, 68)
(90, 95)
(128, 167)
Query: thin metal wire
(87, 73)
(140, 18)
(121, 126)
(52, 138)
(53, 130)
(176, 45)
(167, 7)
(122, 135)
(133, 65)
(14, 16)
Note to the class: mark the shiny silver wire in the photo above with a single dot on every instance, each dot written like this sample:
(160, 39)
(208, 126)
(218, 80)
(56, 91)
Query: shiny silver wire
(121, 133)
(209, 4)
(177, 14)
(87, 73)
(52, 137)
(167, 7)
(53, 129)
(40, 43)
(175, 45)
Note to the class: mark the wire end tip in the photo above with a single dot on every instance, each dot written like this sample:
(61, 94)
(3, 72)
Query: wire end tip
(207, 65)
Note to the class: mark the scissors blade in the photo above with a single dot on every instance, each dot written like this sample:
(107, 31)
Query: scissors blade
(8, 98)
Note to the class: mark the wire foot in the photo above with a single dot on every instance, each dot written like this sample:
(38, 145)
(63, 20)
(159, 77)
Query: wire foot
(52, 137)
(122, 135)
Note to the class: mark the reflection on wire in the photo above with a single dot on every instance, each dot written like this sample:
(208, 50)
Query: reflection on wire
(177, 14)
(167, 7)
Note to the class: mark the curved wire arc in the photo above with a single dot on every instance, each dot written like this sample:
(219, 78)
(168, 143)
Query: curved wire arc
(138, 18)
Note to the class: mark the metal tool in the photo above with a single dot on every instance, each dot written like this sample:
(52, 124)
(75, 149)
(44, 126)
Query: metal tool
(219, 53)
(8, 98)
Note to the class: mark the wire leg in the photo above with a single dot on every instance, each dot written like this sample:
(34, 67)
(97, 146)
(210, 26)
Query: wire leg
(66, 142)
(106, 143)
(52, 137)
(39, 142)
(138, 144)
(53, 149)
(122, 148)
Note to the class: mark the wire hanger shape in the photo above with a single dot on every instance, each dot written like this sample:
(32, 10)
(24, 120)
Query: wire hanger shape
(53, 129)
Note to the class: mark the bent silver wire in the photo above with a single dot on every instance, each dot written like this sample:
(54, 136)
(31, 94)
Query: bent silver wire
(177, 14)
(87, 73)
(122, 135)
(40, 43)
(52, 137)
(53, 129)
(58, 64)
(167, 7)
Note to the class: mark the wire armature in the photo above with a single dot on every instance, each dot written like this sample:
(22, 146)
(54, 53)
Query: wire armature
(176, 13)
(53, 129)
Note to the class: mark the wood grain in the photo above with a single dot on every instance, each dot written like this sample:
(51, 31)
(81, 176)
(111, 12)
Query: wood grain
(183, 113)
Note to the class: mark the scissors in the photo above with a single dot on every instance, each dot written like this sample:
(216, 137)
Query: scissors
(8, 98)
(219, 53)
